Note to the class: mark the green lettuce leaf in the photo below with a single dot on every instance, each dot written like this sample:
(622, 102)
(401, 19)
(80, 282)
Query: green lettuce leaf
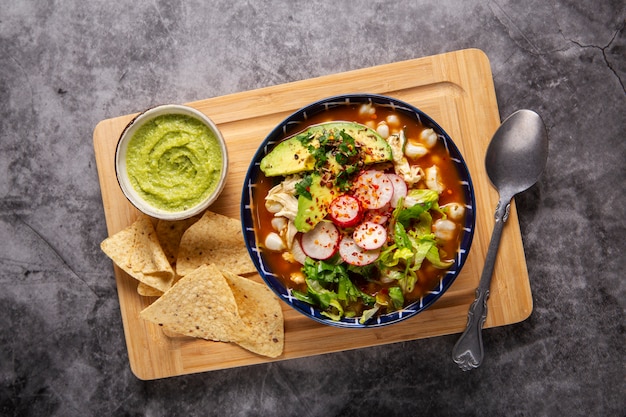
(397, 297)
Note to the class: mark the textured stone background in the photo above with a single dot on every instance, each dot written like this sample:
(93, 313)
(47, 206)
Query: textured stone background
(66, 65)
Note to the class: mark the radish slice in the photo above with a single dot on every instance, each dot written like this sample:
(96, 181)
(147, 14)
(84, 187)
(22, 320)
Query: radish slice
(370, 235)
(345, 211)
(321, 242)
(373, 189)
(400, 189)
(297, 252)
(379, 216)
(353, 254)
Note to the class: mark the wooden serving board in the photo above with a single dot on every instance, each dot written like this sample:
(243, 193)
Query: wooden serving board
(455, 89)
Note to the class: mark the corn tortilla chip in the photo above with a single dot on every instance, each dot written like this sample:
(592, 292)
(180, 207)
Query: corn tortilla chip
(214, 239)
(261, 312)
(201, 304)
(147, 291)
(136, 250)
(170, 233)
(221, 306)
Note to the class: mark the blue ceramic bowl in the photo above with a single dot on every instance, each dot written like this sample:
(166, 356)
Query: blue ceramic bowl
(299, 121)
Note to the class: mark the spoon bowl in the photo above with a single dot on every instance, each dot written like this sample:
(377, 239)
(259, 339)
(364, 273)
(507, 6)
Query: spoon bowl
(515, 160)
(518, 152)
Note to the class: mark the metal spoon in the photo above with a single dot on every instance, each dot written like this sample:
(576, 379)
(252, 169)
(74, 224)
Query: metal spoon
(516, 157)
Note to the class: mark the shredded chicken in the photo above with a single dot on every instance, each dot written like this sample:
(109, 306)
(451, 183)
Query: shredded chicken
(433, 180)
(281, 199)
(410, 174)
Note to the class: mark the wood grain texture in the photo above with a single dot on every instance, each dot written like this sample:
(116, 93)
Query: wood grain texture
(455, 89)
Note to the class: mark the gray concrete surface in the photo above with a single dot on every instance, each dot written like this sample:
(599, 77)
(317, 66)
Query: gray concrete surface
(66, 65)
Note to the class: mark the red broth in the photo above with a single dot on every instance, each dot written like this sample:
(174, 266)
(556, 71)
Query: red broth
(428, 276)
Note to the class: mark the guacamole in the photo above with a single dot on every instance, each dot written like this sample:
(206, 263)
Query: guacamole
(174, 162)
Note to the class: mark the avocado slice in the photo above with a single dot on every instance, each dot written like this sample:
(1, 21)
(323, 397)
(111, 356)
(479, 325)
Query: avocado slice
(288, 157)
(292, 156)
(312, 211)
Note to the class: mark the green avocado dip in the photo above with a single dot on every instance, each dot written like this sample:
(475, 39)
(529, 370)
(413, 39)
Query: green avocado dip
(174, 162)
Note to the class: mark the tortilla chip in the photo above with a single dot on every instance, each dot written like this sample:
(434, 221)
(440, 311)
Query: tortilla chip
(118, 247)
(170, 233)
(173, 335)
(137, 251)
(147, 291)
(147, 256)
(201, 305)
(221, 306)
(214, 239)
(260, 310)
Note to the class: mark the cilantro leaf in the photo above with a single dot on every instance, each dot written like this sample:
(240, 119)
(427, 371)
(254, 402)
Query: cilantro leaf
(303, 187)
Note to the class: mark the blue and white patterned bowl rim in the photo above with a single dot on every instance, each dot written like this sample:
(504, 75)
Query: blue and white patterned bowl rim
(290, 125)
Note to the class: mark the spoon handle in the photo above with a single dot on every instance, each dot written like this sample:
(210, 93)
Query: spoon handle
(468, 350)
